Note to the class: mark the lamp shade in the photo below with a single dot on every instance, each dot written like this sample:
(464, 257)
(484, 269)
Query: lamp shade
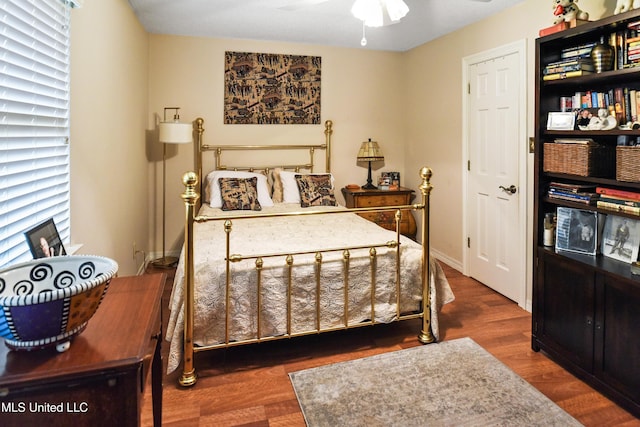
(370, 152)
(371, 12)
(175, 133)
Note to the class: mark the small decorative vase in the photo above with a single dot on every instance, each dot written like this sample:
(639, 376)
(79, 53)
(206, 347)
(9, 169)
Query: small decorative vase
(602, 56)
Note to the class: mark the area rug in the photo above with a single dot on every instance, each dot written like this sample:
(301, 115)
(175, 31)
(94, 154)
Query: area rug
(452, 383)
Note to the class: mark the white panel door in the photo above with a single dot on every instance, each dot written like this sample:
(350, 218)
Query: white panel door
(493, 206)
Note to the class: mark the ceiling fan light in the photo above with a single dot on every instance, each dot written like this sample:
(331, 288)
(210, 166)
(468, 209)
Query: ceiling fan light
(369, 12)
(397, 9)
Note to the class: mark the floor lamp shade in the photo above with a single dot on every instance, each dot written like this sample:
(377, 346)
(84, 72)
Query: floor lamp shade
(175, 133)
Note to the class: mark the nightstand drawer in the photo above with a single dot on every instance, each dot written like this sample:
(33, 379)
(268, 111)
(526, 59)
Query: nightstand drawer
(381, 200)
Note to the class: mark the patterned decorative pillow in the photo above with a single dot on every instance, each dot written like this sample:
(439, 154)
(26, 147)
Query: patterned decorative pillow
(239, 194)
(316, 190)
(212, 189)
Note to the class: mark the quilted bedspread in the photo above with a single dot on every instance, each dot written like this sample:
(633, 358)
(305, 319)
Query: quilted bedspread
(293, 234)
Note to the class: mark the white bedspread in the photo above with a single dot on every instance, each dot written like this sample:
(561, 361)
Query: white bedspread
(291, 234)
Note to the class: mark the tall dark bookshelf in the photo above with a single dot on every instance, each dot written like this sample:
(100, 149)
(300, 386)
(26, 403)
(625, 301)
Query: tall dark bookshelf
(586, 308)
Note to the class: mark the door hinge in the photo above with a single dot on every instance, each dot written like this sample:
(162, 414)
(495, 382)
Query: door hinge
(468, 242)
(469, 88)
(469, 165)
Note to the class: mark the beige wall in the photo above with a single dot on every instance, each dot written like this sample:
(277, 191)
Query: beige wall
(109, 203)
(361, 93)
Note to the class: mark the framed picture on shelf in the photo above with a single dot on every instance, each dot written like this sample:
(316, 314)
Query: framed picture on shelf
(577, 231)
(561, 121)
(44, 240)
(621, 238)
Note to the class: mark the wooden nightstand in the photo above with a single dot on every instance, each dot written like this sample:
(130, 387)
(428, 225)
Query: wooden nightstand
(360, 198)
(100, 380)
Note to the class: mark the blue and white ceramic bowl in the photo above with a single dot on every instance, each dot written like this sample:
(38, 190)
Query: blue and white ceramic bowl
(47, 301)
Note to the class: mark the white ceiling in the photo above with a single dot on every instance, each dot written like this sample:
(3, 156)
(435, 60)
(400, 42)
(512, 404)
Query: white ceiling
(322, 22)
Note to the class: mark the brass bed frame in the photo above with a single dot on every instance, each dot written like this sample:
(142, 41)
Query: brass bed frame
(191, 199)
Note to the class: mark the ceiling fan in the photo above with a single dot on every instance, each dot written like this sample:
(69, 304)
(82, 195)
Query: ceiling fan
(370, 12)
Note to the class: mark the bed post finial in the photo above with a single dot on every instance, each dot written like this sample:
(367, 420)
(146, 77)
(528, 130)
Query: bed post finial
(426, 335)
(328, 124)
(190, 197)
(425, 174)
(189, 179)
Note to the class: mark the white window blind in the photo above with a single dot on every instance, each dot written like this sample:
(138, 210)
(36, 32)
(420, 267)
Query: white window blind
(34, 122)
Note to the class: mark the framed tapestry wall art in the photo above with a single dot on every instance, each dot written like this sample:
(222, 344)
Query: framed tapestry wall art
(262, 88)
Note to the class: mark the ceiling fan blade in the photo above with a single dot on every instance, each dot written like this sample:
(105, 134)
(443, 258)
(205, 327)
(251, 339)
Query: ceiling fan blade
(296, 4)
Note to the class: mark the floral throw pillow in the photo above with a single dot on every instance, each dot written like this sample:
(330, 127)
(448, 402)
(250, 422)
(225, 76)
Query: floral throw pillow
(239, 194)
(315, 190)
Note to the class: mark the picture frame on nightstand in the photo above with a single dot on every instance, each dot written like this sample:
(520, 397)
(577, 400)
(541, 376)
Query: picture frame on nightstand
(391, 179)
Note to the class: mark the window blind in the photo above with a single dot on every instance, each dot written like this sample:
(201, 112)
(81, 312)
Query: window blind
(34, 122)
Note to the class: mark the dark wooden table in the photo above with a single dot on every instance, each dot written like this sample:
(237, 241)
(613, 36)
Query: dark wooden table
(100, 380)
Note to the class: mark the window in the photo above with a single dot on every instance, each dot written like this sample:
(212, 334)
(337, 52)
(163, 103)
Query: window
(34, 121)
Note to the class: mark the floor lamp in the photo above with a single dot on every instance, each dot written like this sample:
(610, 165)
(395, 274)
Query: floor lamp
(370, 152)
(170, 132)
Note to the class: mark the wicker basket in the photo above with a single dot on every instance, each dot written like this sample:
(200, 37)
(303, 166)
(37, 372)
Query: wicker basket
(579, 159)
(628, 164)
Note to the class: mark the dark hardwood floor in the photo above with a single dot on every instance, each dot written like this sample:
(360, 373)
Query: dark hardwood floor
(249, 386)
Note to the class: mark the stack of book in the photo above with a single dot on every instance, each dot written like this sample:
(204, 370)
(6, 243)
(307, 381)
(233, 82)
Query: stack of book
(628, 45)
(633, 51)
(578, 193)
(586, 141)
(572, 67)
(573, 62)
(618, 200)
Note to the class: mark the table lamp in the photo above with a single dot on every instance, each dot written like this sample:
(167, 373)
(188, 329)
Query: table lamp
(370, 152)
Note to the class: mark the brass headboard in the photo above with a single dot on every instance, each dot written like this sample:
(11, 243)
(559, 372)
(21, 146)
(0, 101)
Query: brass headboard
(202, 148)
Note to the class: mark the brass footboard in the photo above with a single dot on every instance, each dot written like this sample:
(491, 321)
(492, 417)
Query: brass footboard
(191, 196)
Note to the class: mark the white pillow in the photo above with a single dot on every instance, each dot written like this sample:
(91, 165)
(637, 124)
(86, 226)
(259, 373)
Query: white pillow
(290, 190)
(214, 187)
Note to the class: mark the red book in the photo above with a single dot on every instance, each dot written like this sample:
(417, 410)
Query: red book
(553, 29)
(618, 193)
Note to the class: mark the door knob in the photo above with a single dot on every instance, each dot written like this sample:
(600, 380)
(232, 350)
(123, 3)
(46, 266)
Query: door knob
(511, 190)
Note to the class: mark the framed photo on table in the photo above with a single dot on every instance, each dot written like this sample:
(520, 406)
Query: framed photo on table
(44, 240)
(621, 238)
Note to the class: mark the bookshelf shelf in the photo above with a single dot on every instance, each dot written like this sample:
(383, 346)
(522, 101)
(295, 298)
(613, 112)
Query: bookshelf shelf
(621, 76)
(585, 307)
